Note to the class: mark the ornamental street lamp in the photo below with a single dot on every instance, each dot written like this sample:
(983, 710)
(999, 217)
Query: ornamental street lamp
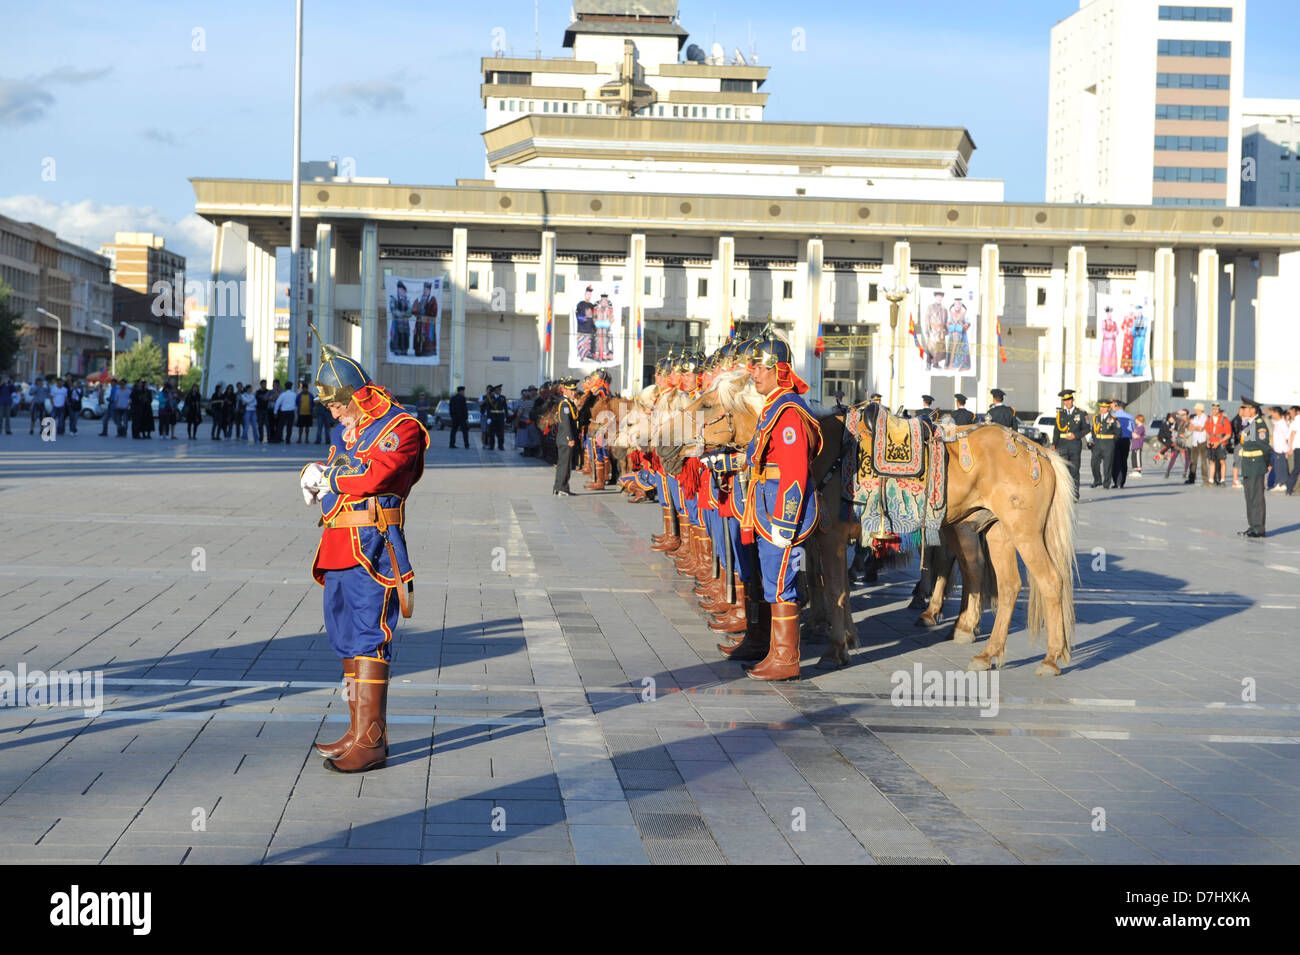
(112, 345)
(895, 295)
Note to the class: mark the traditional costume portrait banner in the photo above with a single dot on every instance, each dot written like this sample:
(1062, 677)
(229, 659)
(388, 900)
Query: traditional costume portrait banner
(595, 326)
(944, 334)
(1124, 338)
(414, 320)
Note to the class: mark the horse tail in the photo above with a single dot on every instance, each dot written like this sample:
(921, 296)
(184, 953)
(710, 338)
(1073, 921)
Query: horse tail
(1058, 536)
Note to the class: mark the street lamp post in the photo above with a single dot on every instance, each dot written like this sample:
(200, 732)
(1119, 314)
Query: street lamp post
(58, 342)
(895, 295)
(112, 345)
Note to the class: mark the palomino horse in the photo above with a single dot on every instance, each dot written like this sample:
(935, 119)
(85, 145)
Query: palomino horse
(1021, 509)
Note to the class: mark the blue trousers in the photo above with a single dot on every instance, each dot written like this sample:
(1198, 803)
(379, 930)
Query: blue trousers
(360, 614)
(779, 565)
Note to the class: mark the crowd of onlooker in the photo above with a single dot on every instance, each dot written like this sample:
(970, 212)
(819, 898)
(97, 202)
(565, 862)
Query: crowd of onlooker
(1210, 444)
(237, 411)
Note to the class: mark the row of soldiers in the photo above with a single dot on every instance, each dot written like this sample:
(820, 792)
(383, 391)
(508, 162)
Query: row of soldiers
(733, 520)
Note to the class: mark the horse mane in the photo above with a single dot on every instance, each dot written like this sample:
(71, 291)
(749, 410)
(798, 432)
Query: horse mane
(736, 393)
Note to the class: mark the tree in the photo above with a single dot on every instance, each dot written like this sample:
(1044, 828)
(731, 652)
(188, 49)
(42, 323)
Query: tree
(192, 377)
(144, 360)
(11, 326)
(200, 341)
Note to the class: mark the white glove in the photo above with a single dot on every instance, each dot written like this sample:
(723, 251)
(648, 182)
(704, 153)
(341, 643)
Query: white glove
(312, 478)
(782, 538)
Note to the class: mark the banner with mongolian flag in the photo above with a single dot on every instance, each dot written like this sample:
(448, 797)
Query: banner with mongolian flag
(820, 347)
(911, 330)
(638, 329)
(731, 331)
(997, 324)
(548, 329)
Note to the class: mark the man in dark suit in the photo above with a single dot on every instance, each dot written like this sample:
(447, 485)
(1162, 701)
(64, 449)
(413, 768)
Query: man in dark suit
(459, 409)
(1000, 413)
(928, 412)
(962, 415)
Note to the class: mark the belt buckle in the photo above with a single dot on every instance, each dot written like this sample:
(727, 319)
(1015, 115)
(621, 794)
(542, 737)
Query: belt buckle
(330, 524)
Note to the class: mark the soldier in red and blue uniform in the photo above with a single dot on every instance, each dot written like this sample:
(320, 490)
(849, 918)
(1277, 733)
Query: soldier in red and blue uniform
(780, 504)
(598, 386)
(376, 456)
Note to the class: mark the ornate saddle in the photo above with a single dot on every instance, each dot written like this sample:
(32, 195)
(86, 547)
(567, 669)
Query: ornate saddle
(895, 479)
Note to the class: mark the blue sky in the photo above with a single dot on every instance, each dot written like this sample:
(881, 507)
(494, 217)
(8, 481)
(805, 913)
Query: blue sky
(106, 110)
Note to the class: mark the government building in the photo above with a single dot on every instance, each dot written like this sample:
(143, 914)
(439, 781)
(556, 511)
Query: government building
(646, 163)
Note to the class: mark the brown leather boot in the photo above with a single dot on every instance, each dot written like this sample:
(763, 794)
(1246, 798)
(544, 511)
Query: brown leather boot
(731, 618)
(369, 748)
(711, 589)
(753, 644)
(707, 562)
(669, 541)
(668, 528)
(716, 601)
(782, 660)
(635, 495)
(687, 557)
(597, 482)
(340, 746)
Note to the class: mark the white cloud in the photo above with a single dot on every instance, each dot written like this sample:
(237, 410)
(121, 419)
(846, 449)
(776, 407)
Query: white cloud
(89, 223)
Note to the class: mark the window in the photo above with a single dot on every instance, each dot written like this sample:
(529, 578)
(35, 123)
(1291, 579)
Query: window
(1183, 201)
(559, 283)
(1205, 144)
(501, 104)
(473, 280)
(702, 288)
(787, 289)
(873, 292)
(564, 107)
(1042, 295)
(512, 78)
(1284, 182)
(530, 282)
(546, 107)
(1187, 111)
(728, 112)
(1188, 174)
(1206, 14)
(695, 112)
(645, 288)
(674, 110)
(532, 106)
(737, 86)
(1286, 150)
(1206, 48)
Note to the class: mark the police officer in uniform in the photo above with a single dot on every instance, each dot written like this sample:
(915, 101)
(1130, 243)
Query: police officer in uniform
(1000, 413)
(928, 412)
(962, 415)
(376, 456)
(1105, 429)
(1067, 435)
(1255, 456)
(497, 407)
(566, 436)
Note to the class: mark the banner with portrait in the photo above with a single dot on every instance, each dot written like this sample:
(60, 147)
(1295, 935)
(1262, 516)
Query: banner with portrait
(414, 320)
(945, 329)
(596, 325)
(1123, 334)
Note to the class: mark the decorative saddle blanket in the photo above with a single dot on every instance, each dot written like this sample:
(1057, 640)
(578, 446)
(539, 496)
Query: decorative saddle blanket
(894, 477)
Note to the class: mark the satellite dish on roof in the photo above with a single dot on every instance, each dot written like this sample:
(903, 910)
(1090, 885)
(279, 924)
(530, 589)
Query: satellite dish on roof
(717, 54)
(694, 53)
(740, 57)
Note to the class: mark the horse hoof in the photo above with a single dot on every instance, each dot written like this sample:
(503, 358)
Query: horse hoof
(832, 660)
(982, 662)
(927, 620)
(963, 636)
(1047, 669)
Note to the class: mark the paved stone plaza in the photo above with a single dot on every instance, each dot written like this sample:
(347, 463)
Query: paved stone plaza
(557, 698)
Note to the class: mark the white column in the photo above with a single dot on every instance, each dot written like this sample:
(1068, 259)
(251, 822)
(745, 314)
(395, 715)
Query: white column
(636, 266)
(372, 291)
(1277, 334)
(805, 327)
(460, 291)
(1076, 310)
(990, 311)
(1205, 383)
(323, 306)
(724, 258)
(544, 362)
(895, 356)
(267, 324)
(1164, 285)
(227, 347)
